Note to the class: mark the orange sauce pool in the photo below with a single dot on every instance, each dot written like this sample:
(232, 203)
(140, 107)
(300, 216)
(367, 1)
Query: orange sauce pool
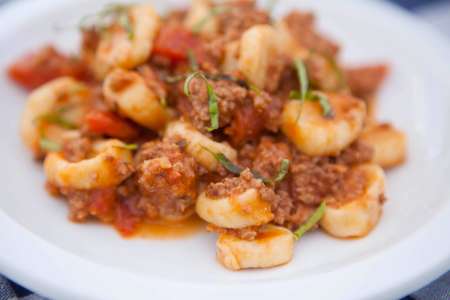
(165, 230)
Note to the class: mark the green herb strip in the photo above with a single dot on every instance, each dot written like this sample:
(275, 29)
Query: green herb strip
(304, 94)
(213, 105)
(130, 147)
(323, 101)
(311, 222)
(57, 119)
(284, 169)
(193, 63)
(237, 170)
(302, 75)
(49, 145)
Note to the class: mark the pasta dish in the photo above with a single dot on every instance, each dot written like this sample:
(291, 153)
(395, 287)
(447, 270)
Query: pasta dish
(218, 111)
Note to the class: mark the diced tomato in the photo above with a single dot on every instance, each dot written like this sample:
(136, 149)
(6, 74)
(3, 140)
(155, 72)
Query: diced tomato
(35, 69)
(103, 203)
(174, 42)
(127, 220)
(246, 125)
(108, 123)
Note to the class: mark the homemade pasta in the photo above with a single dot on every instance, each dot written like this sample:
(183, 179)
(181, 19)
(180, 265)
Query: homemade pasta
(216, 111)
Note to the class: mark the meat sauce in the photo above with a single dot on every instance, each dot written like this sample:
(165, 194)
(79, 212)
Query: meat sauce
(165, 180)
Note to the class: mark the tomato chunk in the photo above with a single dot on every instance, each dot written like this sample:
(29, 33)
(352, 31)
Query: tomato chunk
(247, 125)
(35, 69)
(174, 42)
(102, 204)
(127, 219)
(108, 123)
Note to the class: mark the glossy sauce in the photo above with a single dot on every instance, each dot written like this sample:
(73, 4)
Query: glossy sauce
(165, 230)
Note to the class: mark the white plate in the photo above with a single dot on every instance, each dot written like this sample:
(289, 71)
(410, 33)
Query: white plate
(409, 248)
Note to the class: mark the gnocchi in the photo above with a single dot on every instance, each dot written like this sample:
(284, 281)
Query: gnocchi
(356, 217)
(256, 52)
(317, 135)
(110, 164)
(273, 246)
(128, 47)
(235, 211)
(200, 146)
(134, 99)
(63, 97)
(200, 16)
(389, 144)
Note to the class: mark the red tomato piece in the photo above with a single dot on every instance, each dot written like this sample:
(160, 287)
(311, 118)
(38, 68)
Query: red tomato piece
(247, 125)
(127, 220)
(102, 204)
(174, 42)
(46, 64)
(108, 123)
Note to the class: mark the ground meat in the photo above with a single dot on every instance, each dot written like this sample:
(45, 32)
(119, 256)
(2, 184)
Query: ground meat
(352, 185)
(302, 26)
(357, 153)
(270, 108)
(75, 150)
(269, 155)
(240, 16)
(167, 179)
(314, 178)
(364, 82)
(230, 97)
(246, 155)
(237, 185)
(247, 233)
(99, 203)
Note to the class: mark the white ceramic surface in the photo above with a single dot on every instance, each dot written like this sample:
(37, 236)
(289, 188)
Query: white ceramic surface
(409, 248)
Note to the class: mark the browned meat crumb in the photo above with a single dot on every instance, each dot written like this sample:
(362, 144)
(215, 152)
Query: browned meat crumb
(352, 185)
(247, 233)
(302, 26)
(237, 185)
(314, 178)
(241, 16)
(357, 153)
(167, 181)
(230, 98)
(269, 155)
(365, 81)
(75, 150)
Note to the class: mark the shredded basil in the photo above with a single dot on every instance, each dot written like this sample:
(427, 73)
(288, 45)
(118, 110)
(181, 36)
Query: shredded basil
(323, 101)
(49, 145)
(304, 94)
(284, 169)
(57, 119)
(192, 60)
(313, 220)
(302, 77)
(237, 170)
(213, 105)
(128, 146)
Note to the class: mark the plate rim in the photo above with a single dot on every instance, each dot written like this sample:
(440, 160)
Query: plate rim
(13, 234)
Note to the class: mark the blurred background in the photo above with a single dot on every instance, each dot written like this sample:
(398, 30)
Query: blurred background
(435, 12)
